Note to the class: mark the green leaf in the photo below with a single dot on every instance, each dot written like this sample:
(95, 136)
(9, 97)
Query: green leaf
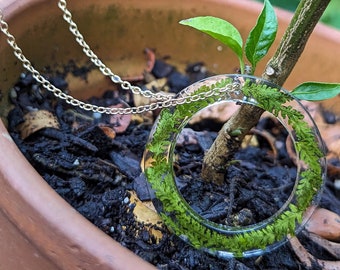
(262, 35)
(219, 29)
(315, 91)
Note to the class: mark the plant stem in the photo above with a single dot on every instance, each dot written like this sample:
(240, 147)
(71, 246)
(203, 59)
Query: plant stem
(241, 65)
(277, 71)
(294, 40)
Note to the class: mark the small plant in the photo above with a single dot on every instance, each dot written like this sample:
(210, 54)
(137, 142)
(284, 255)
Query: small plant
(158, 158)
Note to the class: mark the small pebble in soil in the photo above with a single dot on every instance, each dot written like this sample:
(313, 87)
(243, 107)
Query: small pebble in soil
(126, 200)
(337, 187)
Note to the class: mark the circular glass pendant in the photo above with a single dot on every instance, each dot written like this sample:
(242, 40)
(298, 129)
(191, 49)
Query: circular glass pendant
(229, 228)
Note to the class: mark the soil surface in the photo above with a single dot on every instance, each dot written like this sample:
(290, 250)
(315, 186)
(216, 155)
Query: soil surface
(93, 160)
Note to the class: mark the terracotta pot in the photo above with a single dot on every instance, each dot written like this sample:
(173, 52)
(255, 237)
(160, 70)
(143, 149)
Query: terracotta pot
(38, 229)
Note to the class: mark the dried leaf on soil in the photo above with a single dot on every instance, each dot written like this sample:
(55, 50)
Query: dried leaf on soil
(36, 120)
(325, 223)
(147, 215)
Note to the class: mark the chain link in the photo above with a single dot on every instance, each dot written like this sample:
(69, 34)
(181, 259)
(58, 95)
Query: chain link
(162, 101)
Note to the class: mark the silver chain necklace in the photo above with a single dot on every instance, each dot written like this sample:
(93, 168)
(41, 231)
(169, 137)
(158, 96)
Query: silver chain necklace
(162, 100)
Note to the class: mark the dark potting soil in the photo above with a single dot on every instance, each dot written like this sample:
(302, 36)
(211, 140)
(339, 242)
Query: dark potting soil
(94, 172)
